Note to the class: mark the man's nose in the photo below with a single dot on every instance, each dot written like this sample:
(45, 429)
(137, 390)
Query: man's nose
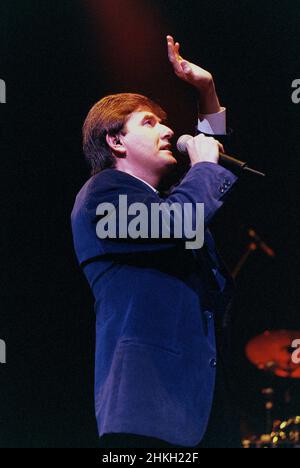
(166, 132)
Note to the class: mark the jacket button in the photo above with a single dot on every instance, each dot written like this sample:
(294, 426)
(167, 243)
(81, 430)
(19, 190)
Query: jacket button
(209, 315)
(213, 363)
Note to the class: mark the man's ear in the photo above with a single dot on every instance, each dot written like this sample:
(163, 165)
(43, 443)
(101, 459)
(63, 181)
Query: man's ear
(115, 143)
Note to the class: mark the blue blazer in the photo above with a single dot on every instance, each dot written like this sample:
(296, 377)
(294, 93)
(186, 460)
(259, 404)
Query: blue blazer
(155, 305)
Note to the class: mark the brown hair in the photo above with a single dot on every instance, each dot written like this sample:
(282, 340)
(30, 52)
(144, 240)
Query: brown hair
(109, 117)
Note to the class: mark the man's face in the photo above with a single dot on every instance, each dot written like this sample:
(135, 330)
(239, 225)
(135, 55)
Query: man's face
(147, 143)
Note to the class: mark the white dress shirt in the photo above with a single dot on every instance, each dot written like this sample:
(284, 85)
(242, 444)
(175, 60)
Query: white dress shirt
(213, 124)
(149, 185)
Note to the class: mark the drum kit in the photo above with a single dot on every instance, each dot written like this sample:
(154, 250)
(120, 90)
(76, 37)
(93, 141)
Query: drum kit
(273, 352)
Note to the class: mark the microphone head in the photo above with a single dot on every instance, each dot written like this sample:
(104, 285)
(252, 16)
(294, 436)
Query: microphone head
(182, 142)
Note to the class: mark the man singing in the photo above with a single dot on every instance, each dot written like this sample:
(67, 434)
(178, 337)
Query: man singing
(156, 301)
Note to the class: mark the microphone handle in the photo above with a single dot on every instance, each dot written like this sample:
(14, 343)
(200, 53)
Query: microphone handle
(229, 161)
(234, 164)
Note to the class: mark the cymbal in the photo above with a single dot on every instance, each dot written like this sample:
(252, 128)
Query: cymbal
(272, 352)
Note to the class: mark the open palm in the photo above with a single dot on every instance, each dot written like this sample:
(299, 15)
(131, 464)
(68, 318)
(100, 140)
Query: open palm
(185, 70)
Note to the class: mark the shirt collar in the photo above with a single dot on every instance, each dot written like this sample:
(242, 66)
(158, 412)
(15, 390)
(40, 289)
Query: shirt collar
(149, 185)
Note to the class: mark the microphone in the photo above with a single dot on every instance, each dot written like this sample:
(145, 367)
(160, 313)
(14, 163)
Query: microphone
(227, 161)
(261, 244)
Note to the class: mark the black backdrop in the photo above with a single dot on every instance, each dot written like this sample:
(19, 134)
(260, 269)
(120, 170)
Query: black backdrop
(57, 61)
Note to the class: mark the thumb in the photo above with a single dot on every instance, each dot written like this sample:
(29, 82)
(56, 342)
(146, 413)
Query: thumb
(186, 67)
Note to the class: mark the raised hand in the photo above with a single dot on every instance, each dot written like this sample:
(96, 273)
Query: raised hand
(185, 70)
(196, 76)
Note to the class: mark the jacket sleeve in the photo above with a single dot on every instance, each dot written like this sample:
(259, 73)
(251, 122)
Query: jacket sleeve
(205, 183)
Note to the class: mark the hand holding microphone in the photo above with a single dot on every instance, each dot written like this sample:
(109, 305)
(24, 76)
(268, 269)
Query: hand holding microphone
(200, 148)
(207, 149)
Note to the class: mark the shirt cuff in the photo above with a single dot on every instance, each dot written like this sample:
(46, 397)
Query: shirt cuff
(213, 124)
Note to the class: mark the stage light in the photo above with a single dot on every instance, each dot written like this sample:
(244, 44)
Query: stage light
(130, 38)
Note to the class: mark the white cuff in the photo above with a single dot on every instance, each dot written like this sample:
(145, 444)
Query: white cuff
(213, 124)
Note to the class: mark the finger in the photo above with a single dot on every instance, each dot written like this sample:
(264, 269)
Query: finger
(171, 51)
(199, 137)
(221, 147)
(170, 41)
(173, 54)
(175, 61)
(173, 48)
(178, 56)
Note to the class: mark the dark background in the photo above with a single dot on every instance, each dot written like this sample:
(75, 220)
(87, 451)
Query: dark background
(57, 59)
